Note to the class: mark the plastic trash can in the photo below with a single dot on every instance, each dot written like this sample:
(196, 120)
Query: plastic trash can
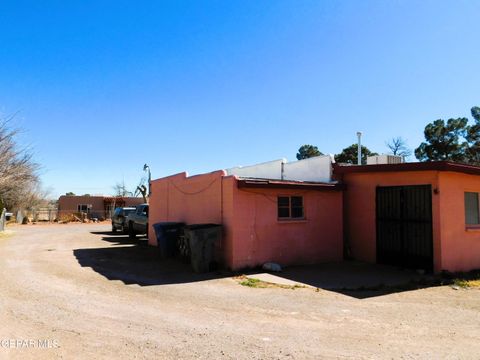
(167, 234)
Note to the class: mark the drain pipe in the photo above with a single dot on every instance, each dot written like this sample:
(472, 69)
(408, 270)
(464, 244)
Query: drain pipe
(359, 150)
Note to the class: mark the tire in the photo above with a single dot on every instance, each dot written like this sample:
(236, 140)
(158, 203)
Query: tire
(114, 230)
(131, 231)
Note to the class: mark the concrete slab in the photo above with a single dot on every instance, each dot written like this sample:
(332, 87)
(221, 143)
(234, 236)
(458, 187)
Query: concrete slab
(348, 275)
(275, 279)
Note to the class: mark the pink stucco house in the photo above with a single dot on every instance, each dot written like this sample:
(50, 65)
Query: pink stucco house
(413, 215)
(267, 217)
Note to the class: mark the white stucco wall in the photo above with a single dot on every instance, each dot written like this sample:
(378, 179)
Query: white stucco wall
(266, 170)
(317, 169)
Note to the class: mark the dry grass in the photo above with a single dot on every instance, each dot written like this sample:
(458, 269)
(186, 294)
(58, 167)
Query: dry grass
(465, 283)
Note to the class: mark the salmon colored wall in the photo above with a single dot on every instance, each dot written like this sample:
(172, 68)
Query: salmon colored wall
(360, 217)
(228, 191)
(460, 246)
(258, 236)
(192, 200)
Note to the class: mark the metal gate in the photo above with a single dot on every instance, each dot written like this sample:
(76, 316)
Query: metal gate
(404, 226)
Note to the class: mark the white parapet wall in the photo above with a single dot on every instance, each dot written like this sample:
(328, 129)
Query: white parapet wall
(266, 170)
(318, 169)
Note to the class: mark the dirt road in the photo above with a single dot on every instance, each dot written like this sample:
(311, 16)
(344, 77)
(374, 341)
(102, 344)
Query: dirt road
(89, 295)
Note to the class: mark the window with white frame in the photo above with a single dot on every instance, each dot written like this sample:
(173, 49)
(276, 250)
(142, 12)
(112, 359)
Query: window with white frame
(290, 207)
(471, 209)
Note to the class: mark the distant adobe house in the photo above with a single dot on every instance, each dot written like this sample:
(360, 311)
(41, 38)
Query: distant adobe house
(290, 213)
(100, 207)
(417, 215)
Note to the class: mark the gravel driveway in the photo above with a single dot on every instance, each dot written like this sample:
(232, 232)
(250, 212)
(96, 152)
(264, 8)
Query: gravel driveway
(75, 291)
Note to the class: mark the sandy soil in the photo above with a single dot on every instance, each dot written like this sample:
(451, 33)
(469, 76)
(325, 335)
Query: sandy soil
(94, 296)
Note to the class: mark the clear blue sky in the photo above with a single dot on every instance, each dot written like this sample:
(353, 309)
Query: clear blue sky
(106, 86)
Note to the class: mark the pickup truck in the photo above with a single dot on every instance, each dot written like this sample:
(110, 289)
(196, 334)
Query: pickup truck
(138, 221)
(119, 219)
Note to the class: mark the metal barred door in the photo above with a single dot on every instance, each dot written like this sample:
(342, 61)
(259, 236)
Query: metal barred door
(404, 226)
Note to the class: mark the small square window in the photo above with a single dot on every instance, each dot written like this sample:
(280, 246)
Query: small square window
(290, 207)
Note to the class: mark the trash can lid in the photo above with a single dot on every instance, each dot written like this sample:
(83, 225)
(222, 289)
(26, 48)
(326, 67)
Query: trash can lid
(168, 224)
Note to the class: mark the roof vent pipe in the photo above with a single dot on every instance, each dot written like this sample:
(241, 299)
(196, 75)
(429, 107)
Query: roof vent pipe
(359, 150)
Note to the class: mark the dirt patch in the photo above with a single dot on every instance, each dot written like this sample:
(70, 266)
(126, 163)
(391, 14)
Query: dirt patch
(93, 294)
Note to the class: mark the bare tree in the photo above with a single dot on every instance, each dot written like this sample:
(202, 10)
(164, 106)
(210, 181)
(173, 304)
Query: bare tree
(120, 189)
(398, 146)
(36, 196)
(18, 171)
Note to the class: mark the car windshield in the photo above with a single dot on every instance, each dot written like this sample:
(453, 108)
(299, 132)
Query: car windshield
(129, 211)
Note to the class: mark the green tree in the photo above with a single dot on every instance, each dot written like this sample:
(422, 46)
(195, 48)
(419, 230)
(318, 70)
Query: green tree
(444, 141)
(70, 193)
(473, 138)
(307, 151)
(476, 113)
(349, 155)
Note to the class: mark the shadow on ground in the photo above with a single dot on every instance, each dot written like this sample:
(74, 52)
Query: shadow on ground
(360, 280)
(132, 261)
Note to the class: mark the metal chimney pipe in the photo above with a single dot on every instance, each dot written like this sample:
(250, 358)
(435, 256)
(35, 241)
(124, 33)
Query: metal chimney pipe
(359, 150)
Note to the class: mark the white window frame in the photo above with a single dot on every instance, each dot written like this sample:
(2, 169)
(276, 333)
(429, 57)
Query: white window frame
(80, 208)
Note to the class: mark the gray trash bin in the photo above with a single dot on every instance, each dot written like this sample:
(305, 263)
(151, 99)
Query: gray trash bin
(202, 239)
